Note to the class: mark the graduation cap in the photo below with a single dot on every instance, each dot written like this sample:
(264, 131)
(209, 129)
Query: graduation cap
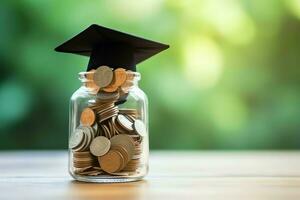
(112, 48)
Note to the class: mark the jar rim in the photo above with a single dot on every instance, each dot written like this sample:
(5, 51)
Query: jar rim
(86, 76)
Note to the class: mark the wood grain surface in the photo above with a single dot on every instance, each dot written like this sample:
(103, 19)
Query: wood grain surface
(173, 175)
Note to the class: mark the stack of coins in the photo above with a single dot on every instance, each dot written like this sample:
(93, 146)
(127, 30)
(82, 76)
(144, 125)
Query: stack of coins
(109, 139)
(81, 138)
(83, 159)
(131, 114)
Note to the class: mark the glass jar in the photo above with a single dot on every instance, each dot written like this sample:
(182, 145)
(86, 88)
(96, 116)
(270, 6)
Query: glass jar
(108, 131)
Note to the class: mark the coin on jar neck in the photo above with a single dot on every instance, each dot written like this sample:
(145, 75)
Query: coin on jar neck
(120, 76)
(110, 88)
(87, 117)
(103, 76)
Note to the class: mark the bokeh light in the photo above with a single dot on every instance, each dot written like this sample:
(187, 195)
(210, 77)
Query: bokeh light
(230, 80)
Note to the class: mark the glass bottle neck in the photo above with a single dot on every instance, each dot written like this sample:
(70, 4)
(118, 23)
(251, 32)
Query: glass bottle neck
(87, 80)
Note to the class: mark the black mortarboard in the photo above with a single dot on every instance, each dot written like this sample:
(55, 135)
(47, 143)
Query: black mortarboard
(109, 47)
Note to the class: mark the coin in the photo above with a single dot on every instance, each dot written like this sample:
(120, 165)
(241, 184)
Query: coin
(95, 128)
(125, 141)
(127, 85)
(107, 96)
(121, 173)
(101, 107)
(111, 127)
(107, 113)
(99, 146)
(120, 76)
(111, 162)
(130, 117)
(124, 153)
(81, 154)
(110, 88)
(124, 122)
(83, 160)
(122, 96)
(89, 137)
(81, 146)
(90, 81)
(106, 131)
(79, 170)
(103, 76)
(133, 112)
(140, 127)
(76, 138)
(87, 117)
(89, 134)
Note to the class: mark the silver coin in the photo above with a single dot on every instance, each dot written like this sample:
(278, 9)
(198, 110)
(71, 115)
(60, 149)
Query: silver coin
(124, 122)
(100, 146)
(103, 76)
(140, 127)
(76, 138)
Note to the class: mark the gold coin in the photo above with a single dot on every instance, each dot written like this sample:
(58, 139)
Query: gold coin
(90, 81)
(81, 154)
(140, 127)
(124, 141)
(110, 88)
(87, 117)
(108, 114)
(100, 106)
(90, 74)
(103, 76)
(124, 153)
(100, 146)
(120, 76)
(111, 161)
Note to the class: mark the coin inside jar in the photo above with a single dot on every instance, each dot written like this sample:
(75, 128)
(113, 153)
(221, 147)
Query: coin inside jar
(100, 146)
(87, 117)
(140, 127)
(124, 122)
(125, 141)
(76, 138)
(108, 96)
(111, 162)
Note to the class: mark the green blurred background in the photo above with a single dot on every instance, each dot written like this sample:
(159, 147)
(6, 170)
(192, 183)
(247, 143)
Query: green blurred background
(230, 80)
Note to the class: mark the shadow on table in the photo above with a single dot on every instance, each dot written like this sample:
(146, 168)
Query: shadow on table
(132, 190)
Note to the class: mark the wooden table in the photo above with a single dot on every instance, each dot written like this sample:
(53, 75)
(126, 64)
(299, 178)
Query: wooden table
(173, 175)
